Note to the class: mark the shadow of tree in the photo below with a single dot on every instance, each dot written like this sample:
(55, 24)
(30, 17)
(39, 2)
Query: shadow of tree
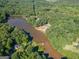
(29, 36)
(64, 58)
(47, 56)
(50, 58)
(41, 52)
(35, 49)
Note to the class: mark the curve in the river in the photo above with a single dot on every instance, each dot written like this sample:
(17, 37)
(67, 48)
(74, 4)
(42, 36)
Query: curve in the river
(37, 36)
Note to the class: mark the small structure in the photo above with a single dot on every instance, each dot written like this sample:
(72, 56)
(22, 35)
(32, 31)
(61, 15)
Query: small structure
(4, 57)
(16, 46)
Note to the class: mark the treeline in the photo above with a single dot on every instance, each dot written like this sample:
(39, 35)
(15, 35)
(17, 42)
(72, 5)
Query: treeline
(37, 22)
(26, 8)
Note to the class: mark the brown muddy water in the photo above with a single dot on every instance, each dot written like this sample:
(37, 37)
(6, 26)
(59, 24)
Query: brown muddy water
(38, 36)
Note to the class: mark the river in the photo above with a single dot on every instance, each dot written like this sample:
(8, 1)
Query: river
(38, 36)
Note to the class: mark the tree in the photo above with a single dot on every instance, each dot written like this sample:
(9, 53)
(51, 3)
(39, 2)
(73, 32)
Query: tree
(34, 9)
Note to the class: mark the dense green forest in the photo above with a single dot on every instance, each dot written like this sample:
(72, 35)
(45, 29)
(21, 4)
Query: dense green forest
(16, 43)
(63, 16)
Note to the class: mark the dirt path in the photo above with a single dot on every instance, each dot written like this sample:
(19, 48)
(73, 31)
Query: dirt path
(37, 36)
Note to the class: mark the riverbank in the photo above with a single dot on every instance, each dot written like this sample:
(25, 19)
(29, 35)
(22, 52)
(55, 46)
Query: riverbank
(37, 36)
(43, 28)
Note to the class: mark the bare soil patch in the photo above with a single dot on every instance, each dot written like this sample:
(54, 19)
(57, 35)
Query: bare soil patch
(43, 28)
(74, 47)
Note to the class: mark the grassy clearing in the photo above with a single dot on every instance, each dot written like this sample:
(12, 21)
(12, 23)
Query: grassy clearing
(70, 55)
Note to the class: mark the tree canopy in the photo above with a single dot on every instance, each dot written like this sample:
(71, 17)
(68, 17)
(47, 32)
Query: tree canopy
(16, 43)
